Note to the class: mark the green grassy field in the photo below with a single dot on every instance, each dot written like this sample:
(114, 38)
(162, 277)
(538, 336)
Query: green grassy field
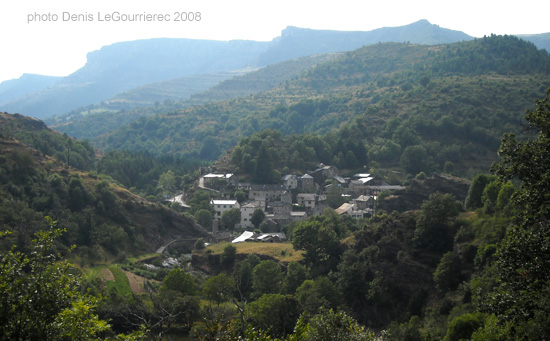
(283, 252)
(121, 283)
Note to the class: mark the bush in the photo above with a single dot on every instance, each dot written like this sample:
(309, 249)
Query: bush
(462, 327)
(420, 176)
(447, 276)
(199, 244)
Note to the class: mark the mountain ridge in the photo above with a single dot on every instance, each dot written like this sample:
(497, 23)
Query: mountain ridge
(295, 40)
(122, 66)
(98, 81)
(14, 88)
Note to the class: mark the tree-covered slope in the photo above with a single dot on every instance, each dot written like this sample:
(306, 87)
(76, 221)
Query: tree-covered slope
(95, 120)
(102, 219)
(171, 90)
(401, 102)
(262, 80)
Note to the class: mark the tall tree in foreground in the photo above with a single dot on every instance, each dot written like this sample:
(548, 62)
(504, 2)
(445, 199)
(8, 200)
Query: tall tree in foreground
(529, 162)
(523, 260)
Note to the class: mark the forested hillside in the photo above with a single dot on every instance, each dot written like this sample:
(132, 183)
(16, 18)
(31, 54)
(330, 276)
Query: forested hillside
(170, 90)
(445, 104)
(45, 173)
(85, 122)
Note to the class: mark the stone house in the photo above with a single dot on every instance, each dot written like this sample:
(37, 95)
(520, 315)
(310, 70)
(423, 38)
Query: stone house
(213, 179)
(298, 216)
(313, 203)
(361, 176)
(324, 172)
(341, 181)
(365, 202)
(290, 181)
(306, 183)
(263, 193)
(352, 210)
(359, 186)
(306, 199)
(279, 209)
(247, 211)
(344, 208)
(221, 206)
(311, 200)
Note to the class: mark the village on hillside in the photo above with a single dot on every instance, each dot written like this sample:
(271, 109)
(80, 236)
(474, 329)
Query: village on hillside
(295, 198)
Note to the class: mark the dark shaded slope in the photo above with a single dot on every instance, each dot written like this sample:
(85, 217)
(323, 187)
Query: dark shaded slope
(103, 220)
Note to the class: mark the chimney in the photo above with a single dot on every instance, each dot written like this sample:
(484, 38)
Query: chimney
(215, 226)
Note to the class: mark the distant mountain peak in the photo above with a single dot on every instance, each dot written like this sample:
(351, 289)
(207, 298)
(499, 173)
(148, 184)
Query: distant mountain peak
(295, 30)
(421, 22)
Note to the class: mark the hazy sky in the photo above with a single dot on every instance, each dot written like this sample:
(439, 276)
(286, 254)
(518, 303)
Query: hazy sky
(53, 37)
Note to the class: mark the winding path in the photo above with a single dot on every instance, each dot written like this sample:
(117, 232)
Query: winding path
(162, 248)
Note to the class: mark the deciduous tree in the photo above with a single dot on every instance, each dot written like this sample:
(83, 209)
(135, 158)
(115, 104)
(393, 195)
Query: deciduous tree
(230, 218)
(219, 288)
(447, 276)
(179, 280)
(523, 259)
(40, 297)
(267, 278)
(433, 225)
(204, 218)
(274, 312)
(257, 217)
(336, 326)
(228, 256)
(318, 241)
(473, 199)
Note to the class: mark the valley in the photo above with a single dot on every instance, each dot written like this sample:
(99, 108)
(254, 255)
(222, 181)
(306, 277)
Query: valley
(386, 190)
